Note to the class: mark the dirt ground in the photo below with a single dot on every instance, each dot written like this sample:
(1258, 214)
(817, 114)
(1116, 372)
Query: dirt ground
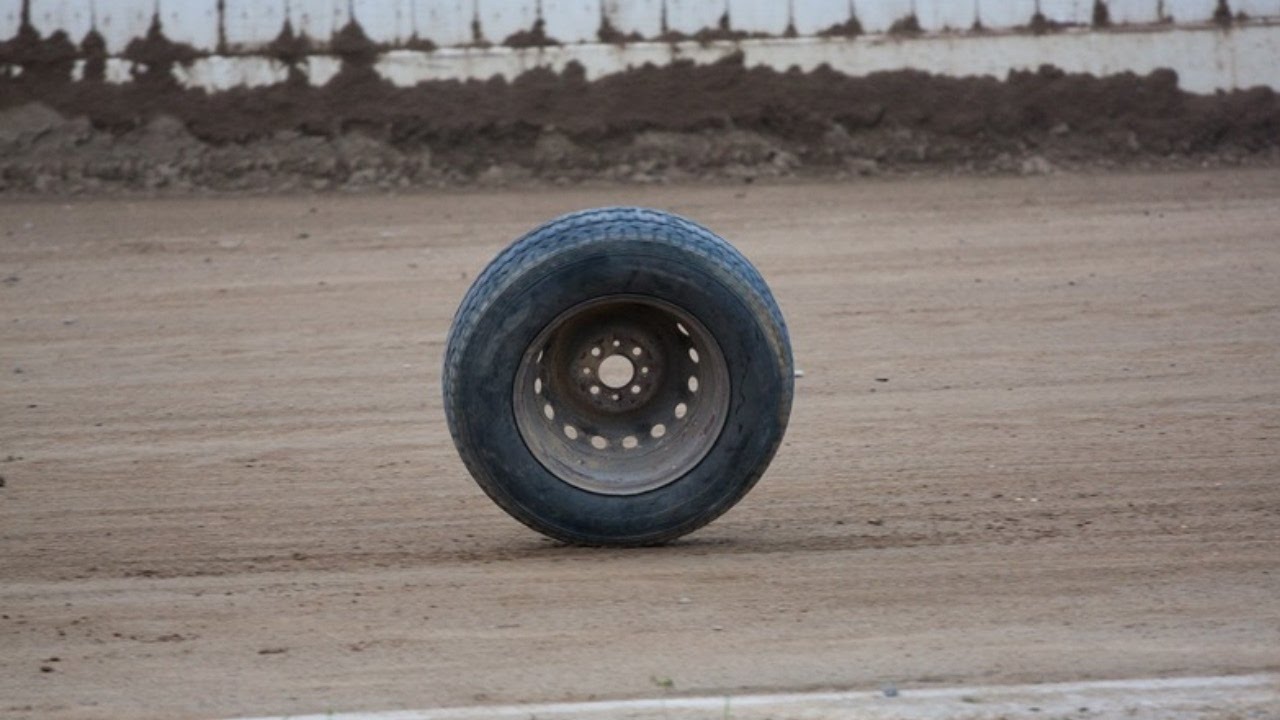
(1035, 440)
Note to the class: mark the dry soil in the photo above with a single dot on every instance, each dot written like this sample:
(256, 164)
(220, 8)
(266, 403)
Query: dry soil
(1036, 439)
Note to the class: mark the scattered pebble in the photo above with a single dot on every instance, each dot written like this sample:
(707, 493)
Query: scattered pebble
(273, 651)
(882, 379)
(1036, 165)
(799, 373)
(685, 601)
(69, 321)
(889, 691)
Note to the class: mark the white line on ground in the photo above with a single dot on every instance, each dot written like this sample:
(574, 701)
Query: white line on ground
(1200, 697)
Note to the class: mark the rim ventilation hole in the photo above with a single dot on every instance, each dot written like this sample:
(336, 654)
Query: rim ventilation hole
(615, 396)
(683, 331)
(658, 430)
(537, 386)
(630, 442)
(571, 432)
(681, 410)
(586, 371)
(693, 355)
(617, 343)
(693, 383)
(635, 389)
(644, 370)
(635, 351)
(595, 352)
(599, 443)
(595, 389)
(549, 411)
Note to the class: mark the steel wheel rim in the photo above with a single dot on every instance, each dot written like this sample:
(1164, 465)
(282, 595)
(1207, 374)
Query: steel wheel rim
(621, 395)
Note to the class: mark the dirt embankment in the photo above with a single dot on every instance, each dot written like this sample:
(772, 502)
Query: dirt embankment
(650, 124)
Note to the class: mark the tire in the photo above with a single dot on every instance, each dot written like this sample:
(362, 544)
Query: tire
(618, 376)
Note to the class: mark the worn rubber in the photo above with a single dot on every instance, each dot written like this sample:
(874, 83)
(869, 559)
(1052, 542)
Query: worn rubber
(590, 254)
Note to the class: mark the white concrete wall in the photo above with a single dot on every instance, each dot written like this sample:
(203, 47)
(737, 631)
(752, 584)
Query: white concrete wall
(1145, 34)
(879, 16)
(811, 18)
(1206, 59)
(250, 24)
(643, 17)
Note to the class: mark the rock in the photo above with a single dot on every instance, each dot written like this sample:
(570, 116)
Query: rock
(784, 161)
(504, 174)
(24, 124)
(837, 139)
(554, 149)
(164, 130)
(653, 151)
(64, 136)
(493, 175)
(355, 144)
(1060, 129)
(1036, 165)
(166, 127)
(364, 176)
(865, 167)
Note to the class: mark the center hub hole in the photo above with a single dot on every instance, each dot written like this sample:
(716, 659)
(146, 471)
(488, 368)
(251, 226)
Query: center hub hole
(616, 371)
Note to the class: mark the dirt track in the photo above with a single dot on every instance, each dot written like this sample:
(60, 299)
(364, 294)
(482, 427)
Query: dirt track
(1036, 439)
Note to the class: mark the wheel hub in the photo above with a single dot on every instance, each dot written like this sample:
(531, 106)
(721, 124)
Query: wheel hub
(621, 395)
(619, 368)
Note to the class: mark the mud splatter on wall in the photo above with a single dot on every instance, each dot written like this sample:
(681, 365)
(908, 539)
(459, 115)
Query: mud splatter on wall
(239, 26)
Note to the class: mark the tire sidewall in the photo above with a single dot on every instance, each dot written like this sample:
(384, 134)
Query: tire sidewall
(756, 354)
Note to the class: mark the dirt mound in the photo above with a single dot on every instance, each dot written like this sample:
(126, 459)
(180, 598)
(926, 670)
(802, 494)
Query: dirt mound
(679, 121)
